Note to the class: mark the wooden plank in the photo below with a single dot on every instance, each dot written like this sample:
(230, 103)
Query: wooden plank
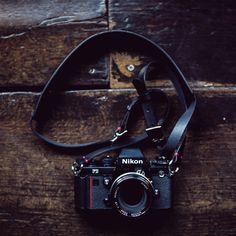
(198, 35)
(36, 186)
(35, 36)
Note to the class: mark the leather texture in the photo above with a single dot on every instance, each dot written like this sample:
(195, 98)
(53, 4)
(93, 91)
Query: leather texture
(100, 44)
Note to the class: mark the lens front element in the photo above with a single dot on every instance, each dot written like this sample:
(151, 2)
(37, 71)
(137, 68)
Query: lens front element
(131, 194)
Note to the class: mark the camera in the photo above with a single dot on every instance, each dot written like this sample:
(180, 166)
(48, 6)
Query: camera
(129, 184)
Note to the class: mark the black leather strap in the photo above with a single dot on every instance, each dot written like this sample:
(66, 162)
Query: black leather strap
(96, 46)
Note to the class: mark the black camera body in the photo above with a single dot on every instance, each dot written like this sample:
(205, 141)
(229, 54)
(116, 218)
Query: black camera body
(128, 184)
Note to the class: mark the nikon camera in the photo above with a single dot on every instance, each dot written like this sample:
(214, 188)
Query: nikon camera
(129, 184)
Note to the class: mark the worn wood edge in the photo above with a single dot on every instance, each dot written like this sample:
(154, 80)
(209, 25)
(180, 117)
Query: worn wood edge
(33, 45)
(17, 16)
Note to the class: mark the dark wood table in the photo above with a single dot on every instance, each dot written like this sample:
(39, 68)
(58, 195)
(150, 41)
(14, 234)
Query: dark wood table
(36, 184)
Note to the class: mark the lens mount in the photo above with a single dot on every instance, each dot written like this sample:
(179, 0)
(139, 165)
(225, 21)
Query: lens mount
(131, 194)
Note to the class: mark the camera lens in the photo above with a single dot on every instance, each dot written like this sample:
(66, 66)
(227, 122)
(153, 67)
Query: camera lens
(131, 194)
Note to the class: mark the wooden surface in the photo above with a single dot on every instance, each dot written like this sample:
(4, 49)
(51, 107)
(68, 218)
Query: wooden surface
(36, 185)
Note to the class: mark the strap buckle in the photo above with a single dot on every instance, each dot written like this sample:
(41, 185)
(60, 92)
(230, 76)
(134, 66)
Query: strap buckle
(173, 164)
(118, 134)
(155, 133)
(77, 168)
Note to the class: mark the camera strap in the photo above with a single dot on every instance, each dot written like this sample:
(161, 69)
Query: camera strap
(100, 44)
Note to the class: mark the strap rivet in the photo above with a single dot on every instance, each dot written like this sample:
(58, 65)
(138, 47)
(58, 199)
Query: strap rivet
(130, 67)
(92, 71)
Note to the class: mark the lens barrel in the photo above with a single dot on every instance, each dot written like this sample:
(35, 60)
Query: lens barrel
(131, 194)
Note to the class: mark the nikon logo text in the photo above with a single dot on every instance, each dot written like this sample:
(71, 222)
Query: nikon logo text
(131, 161)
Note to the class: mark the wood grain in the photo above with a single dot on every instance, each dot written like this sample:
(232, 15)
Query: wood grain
(36, 36)
(197, 34)
(36, 185)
